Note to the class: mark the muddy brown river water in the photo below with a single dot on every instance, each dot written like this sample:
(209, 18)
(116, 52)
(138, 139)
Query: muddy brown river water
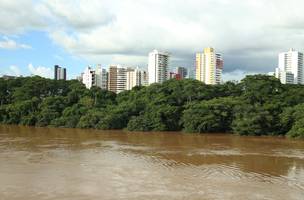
(57, 164)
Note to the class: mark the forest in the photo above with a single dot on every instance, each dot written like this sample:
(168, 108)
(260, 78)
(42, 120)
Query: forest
(257, 105)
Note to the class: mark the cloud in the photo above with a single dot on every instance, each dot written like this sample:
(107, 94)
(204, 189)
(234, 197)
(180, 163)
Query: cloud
(79, 14)
(40, 71)
(12, 70)
(20, 16)
(10, 44)
(248, 33)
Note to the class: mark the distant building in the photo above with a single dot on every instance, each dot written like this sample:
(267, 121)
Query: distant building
(88, 77)
(209, 67)
(173, 75)
(145, 78)
(135, 77)
(59, 73)
(290, 67)
(284, 76)
(158, 66)
(117, 79)
(96, 77)
(101, 77)
(182, 71)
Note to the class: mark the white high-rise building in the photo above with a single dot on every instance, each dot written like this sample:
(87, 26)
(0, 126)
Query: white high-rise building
(96, 77)
(88, 77)
(290, 67)
(158, 66)
(284, 77)
(101, 77)
(209, 67)
(135, 77)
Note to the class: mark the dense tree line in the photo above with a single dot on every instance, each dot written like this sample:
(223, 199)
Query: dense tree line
(258, 105)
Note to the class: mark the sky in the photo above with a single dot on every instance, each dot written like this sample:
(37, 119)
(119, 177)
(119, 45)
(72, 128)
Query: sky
(35, 35)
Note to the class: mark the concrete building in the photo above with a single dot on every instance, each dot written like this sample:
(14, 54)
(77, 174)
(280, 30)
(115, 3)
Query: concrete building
(88, 77)
(101, 77)
(158, 66)
(182, 71)
(284, 77)
(209, 67)
(59, 73)
(96, 77)
(173, 75)
(290, 64)
(117, 79)
(135, 77)
(145, 78)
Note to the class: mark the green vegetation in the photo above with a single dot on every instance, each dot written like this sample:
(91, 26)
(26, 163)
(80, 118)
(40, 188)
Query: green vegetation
(258, 105)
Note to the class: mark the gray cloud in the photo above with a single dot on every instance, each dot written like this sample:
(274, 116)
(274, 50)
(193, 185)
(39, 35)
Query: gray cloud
(248, 33)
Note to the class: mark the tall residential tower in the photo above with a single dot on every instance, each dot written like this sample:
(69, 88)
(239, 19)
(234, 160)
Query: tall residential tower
(158, 67)
(59, 73)
(96, 77)
(117, 79)
(290, 70)
(209, 67)
(182, 71)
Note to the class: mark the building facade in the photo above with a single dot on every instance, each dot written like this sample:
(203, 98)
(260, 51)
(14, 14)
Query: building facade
(173, 75)
(158, 66)
(209, 67)
(117, 79)
(135, 77)
(97, 77)
(290, 67)
(101, 77)
(182, 71)
(284, 77)
(59, 73)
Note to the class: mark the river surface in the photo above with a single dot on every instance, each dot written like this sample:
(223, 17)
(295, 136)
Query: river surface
(51, 163)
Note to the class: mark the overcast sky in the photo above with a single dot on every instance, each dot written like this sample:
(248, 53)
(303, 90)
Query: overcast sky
(37, 34)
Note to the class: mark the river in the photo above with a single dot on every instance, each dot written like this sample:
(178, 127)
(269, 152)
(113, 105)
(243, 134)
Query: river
(57, 164)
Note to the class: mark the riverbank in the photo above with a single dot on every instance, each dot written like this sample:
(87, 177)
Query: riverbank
(258, 105)
(125, 131)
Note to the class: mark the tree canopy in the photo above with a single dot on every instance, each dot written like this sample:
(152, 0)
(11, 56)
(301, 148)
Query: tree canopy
(258, 105)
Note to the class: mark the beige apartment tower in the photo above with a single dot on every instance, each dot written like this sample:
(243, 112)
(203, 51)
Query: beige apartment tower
(209, 67)
(117, 79)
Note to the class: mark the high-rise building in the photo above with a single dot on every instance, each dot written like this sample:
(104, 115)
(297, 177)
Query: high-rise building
(182, 71)
(209, 67)
(290, 67)
(284, 77)
(96, 77)
(117, 79)
(88, 77)
(59, 73)
(158, 66)
(145, 78)
(101, 77)
(135, 77)
(173, 75)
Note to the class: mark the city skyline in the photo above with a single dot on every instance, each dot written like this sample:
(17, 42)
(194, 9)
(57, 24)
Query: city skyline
(42, 34)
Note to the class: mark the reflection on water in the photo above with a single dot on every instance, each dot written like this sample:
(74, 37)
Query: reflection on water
(50, 163)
